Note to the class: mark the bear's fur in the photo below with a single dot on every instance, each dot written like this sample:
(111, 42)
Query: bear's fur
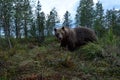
(74, 37)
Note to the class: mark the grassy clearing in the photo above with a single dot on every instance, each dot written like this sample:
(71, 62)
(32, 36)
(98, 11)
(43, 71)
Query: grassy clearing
(47, 61)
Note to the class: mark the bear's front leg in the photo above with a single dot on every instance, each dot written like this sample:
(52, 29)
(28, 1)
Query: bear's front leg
(63, 44)
(71, 47)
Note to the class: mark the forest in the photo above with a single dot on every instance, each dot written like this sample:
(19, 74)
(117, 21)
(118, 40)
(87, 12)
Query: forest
(30, 51)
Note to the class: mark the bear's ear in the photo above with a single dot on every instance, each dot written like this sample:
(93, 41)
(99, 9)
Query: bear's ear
(55, 29)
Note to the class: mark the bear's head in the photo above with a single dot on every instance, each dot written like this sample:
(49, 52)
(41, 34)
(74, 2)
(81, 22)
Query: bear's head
(61, 33)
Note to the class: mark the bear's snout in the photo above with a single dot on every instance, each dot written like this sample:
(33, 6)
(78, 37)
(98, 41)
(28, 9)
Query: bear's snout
(60, 38)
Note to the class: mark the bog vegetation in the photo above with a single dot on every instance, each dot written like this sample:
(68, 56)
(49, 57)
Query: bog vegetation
(29, 51)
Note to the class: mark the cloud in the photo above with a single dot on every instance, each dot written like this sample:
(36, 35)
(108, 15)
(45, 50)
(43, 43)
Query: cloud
(71, 5)
(95, 1)
(61, 6)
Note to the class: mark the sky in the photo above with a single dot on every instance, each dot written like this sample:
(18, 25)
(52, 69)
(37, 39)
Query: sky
(61, 6)
(71, 5)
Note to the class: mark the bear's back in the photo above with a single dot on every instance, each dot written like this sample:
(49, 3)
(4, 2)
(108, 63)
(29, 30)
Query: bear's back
(85, 34)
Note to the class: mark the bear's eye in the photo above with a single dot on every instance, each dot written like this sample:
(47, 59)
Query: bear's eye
(57, 34)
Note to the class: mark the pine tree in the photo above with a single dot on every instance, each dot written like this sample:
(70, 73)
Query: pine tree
(40, 23)
(27, 17)
(18, 18)
(52, 19)
(77, 19)
(112, 20)
(84, 16)
(67, 20)
(1, 6)
(6, 8)
(38, 19)
(33, 30)
(42, 26)
(99, 20)
(117, 27)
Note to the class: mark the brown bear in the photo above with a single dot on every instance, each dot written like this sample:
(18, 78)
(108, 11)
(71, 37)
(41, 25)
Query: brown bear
(74, 37)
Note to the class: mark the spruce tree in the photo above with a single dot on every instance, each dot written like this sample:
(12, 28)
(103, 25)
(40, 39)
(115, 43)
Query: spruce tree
(67, 20)
(84, 16)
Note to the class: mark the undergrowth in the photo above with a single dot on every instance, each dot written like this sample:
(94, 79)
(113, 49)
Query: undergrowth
(47, 61)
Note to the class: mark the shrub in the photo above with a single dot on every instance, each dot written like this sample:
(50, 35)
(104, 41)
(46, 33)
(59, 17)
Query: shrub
(111, 44)
(91, 51)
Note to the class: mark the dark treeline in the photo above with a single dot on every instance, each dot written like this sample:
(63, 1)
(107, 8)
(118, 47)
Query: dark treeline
(18, 20)
(95, 17)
